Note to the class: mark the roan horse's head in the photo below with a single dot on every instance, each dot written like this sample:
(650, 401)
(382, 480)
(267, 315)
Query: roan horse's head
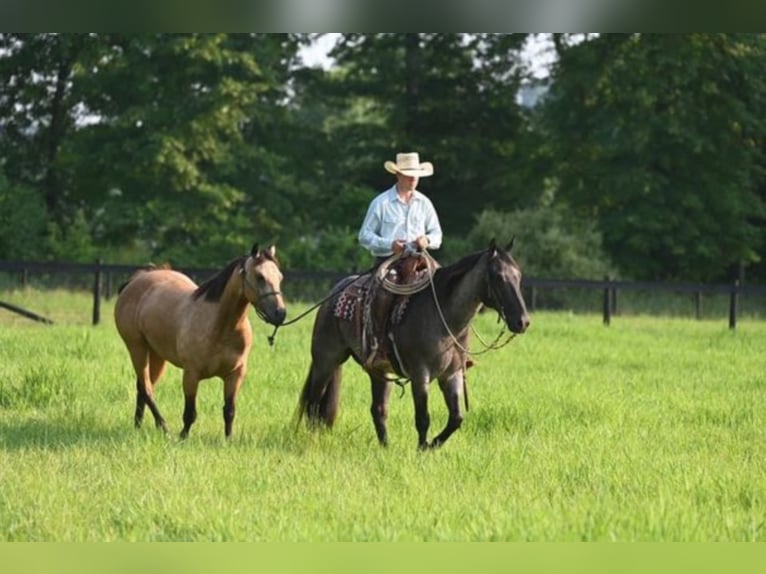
(504, 288)
(262, 281)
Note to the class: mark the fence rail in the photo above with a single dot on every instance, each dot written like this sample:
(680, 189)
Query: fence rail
(104, 274)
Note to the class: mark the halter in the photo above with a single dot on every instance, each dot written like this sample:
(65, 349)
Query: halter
(253, 288)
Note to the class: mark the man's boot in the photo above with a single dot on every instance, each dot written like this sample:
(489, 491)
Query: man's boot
(378, 358)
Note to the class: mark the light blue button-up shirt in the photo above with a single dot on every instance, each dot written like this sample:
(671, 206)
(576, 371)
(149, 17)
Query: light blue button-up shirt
(389, 218)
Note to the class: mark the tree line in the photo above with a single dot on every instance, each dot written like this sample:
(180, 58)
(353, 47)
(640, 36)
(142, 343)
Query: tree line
(643, 158)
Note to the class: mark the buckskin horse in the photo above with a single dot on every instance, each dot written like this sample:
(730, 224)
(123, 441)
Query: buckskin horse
(428, 342)
(162, 315)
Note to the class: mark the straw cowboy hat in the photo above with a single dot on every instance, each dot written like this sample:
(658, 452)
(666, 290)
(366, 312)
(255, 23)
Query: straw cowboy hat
(409, 164)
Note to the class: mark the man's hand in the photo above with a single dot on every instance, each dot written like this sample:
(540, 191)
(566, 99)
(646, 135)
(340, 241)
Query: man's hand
(397, 246)
(421, 242)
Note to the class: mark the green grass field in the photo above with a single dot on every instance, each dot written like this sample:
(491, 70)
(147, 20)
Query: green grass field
(650, 430)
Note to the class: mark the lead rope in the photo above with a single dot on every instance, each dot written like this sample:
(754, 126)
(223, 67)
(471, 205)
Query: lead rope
(340, 286)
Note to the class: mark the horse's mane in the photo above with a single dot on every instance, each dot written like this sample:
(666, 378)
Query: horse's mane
(446, 277)
(213, 288)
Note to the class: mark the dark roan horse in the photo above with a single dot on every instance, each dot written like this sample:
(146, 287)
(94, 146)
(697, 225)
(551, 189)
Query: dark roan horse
(431, 342)
(162, 315)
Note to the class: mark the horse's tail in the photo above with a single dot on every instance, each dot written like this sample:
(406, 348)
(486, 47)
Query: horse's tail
(319, 399)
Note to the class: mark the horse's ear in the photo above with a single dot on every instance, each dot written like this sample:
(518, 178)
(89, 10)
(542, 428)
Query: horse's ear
(510, 243)
(254, 250)
(492, 244)
(272, 251)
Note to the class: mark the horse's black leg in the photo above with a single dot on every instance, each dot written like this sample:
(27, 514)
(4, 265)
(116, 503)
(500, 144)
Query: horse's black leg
(146, 397)
(381, 391)
(452, 389)
(422, 418)
(231, 385)
(190, 414)
(140, 403)
(190, 382)
(229, 410)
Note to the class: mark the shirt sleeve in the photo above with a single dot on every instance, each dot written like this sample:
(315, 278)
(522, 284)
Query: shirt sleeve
(433, 227)
(368, 233)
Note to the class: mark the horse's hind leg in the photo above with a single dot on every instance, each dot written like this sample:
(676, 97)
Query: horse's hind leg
(320, 396)
(381, 392)
(139, 355)
(156, 368)
(452, 389)
(146, 390)
(138, 418)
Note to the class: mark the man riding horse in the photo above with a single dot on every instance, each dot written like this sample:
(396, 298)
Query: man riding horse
(400, 221)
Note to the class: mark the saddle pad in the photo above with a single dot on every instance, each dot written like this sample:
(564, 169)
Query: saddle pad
(349, 302)
(345, 306)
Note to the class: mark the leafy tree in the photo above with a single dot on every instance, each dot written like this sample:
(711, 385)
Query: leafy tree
(39, 110)
(142, 138)
(659, 139)
(22, 221)
(551, 241)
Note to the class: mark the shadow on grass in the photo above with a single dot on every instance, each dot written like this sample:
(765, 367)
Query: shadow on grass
(57, 433)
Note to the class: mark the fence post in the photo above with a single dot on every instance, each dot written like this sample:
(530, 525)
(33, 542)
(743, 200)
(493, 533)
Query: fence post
(97, 293)
(533, 298)
(733, 305)
(24, 277)
(607, 302)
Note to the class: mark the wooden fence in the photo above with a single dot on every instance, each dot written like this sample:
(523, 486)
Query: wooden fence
(104, 277)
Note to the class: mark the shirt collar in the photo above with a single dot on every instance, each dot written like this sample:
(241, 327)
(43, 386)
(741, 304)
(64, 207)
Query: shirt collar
(392, 195)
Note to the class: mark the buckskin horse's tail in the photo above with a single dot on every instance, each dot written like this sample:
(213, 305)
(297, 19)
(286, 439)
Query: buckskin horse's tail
(320, 397)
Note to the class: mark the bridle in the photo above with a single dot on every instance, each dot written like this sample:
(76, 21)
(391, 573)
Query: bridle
(247, 283)
(494, 345)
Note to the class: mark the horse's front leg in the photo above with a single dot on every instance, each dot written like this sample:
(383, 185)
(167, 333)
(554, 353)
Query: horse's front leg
(381, 392)
(422, 418)
(452, 389)
(231, 385)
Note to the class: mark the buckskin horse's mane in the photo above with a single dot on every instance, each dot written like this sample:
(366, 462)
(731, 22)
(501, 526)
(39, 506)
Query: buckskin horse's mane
(212, 289)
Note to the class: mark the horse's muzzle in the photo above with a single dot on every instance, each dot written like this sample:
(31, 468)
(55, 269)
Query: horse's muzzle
(520, 325)
(278, 317)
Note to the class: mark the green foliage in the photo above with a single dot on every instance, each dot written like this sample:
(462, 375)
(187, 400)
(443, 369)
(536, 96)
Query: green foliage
(189, 147)
(659, 138)
(72, 241)
(551, 242)
(334, 248)
(22, 221)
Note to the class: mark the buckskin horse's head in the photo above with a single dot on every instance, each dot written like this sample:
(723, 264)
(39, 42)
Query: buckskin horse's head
(262, 283)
